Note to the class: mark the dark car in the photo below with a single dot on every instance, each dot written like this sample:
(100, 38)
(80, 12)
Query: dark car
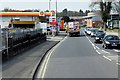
(99, 37)
(111, 41)
(99, 32)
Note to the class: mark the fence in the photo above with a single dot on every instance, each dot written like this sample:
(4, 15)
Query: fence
(18, 40)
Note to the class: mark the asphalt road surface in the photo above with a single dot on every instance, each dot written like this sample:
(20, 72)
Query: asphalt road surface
(79, 57)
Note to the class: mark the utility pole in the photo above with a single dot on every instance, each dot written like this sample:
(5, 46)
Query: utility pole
(0, 39)
(119, 25)
(49, 5)
(56, 17)
(56, 10)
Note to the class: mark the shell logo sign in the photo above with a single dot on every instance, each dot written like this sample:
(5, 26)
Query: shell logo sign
(42, 13)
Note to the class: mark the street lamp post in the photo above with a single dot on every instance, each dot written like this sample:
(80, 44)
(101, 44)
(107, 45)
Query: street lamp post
(56, 10)
(119, 25)
(56, 17)
(49, 5)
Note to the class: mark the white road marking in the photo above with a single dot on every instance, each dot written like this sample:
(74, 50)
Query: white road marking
(117, 63)
(106, 52)
(116, 50)
(98, 52)
(44, 63)
(97, 47)
(91, 43)
(94, 47)
(47, 58)
(107, 58)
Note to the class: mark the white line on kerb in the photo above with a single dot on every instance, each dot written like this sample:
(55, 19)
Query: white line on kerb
(47, 58)
(107, 58)
(98, 52)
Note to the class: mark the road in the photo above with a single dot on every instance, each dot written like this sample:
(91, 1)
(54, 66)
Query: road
(79, 57)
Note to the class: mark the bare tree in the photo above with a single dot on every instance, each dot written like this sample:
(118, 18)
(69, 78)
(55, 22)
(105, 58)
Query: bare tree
(116, 6)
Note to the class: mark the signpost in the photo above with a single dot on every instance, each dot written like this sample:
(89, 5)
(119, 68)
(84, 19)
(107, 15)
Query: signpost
(0, 39)
(71, 24)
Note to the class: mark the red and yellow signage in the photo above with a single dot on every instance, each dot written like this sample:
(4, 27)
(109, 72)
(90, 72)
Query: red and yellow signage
(62, 25)
(34, 14)
(53, 12)
(42, 13)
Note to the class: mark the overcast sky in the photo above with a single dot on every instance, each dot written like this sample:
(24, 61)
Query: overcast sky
(43, 5)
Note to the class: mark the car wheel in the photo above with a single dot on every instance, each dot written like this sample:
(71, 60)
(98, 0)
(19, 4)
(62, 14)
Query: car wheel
(95, 41)
(69, 35)
(104, 46)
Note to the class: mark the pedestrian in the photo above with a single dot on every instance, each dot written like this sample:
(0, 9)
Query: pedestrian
(66, 28)
(53, 31)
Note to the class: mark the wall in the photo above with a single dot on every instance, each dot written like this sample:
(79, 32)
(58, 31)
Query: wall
(89, 22)
(92, 23)
(96, 23)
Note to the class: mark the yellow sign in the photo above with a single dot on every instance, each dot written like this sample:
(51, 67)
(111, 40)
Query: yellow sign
(41, 13)
(13, 31)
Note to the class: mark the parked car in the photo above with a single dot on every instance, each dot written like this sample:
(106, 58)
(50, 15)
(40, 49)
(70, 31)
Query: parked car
(88, 32)
(93, 32)
(86, 28)
(99, 37)
(111, 41)
(99, 32)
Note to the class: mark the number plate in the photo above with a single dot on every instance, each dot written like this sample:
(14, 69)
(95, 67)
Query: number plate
(114, 44)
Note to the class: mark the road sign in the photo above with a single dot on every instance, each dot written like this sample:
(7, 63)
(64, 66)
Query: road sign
(52, 19)
(71, 25)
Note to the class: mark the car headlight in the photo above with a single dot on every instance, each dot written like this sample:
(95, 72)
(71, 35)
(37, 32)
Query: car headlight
(107, 42)
(119, 42)
(97, 37)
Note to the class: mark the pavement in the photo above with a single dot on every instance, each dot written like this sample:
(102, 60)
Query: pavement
(79, 57)
(24, 64)
(112, 33)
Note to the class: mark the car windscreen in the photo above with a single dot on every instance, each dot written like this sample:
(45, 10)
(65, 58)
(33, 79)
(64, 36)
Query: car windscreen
(100, 35)
(112, 38)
